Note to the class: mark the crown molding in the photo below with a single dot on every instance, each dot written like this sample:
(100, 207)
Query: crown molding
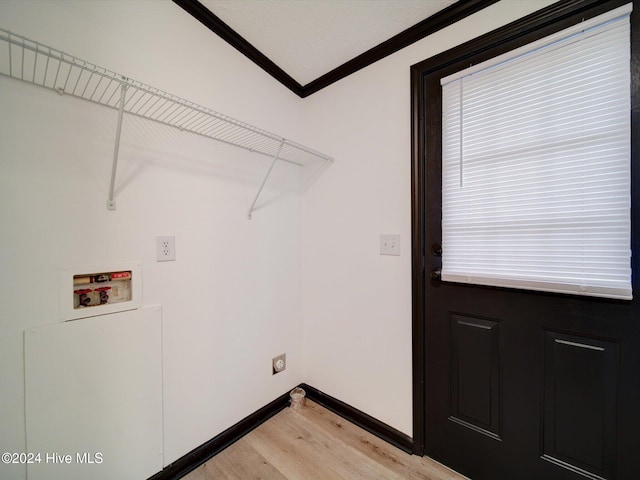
(438, 21)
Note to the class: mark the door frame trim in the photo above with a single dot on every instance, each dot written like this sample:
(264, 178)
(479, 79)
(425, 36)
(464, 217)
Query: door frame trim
(521, 32)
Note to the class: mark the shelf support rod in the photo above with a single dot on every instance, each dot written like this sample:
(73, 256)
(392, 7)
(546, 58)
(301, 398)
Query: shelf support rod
(111, 204)
(275, 159)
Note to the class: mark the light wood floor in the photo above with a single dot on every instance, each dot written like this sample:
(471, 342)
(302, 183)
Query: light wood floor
(314, 443)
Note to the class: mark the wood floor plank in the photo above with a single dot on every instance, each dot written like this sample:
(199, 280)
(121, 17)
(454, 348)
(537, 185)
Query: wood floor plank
(313, 444)
(316, 444)
(197, 474)
(410, 467)
(295, 452)
(374, 448)
(242, 462)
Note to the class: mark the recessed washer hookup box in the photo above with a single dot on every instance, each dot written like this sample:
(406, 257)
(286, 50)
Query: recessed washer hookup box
(87, 291)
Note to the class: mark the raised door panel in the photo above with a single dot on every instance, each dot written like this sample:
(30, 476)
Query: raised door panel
(580, 404)
(475, 400)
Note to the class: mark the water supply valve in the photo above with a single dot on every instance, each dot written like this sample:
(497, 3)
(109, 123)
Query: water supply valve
(103, 294)
(83, 296)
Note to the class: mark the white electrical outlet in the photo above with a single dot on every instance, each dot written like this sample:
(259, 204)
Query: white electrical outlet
(165, 249)
(279, 363)
(390, 244)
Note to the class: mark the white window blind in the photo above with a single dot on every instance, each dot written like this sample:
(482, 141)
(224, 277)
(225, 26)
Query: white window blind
(536, 165)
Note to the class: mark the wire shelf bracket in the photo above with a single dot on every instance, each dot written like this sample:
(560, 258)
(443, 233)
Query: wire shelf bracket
(275, 159)
(38, 64)
(111, 203)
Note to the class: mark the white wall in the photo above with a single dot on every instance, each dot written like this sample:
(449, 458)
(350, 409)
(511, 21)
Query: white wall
(232, 300)
(357, 330)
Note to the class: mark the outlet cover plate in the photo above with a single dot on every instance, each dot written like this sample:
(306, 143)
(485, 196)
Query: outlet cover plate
(279, 363)
(390, 244)
(165, 248)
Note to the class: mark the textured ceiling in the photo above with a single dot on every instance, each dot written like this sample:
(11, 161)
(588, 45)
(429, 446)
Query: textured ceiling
(308, 38)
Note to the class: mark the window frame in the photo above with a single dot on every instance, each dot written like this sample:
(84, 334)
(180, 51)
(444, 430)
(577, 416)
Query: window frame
(426, 140)
(467, 261)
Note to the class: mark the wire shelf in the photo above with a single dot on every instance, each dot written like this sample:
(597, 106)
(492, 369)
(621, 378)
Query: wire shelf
(35, 63)
(38, 64)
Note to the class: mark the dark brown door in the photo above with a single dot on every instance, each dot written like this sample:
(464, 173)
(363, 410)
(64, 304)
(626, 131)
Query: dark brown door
(512, 384)
(530, 386)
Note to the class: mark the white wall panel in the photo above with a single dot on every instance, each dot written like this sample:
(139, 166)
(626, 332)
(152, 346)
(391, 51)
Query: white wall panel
(232, 299)
(357, 330)
(94, 397)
